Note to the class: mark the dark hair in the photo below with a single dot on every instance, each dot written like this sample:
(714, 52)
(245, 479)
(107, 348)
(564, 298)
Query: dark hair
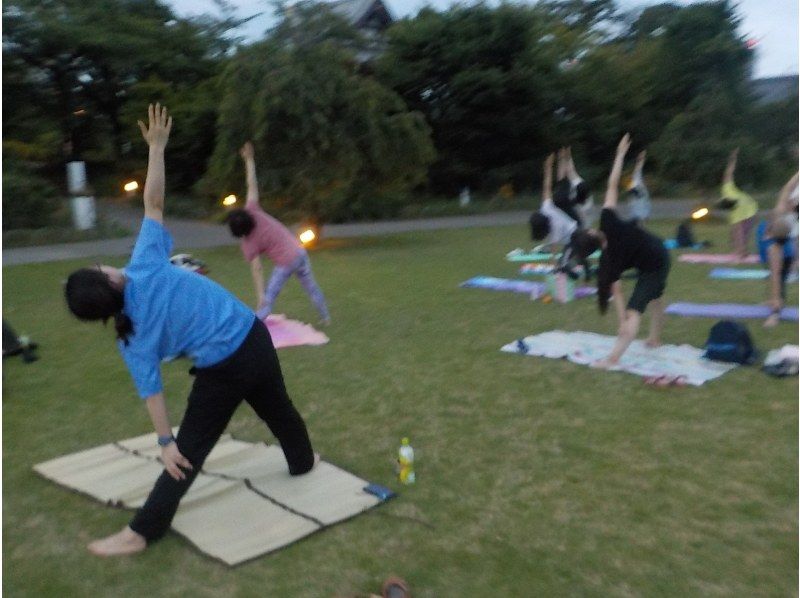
(583, 245)
(581, 192)
(603, 283)
(540, 226)
(240, 222)
(91, 296)
(562, 192)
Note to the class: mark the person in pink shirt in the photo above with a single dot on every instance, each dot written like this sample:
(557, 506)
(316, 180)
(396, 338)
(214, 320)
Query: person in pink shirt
(261, 234)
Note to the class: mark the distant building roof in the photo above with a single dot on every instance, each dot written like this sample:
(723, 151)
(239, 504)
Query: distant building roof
(372, 15)
(775, 89)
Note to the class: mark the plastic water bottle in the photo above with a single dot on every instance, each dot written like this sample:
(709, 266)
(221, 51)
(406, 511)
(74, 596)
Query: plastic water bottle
(405, 461)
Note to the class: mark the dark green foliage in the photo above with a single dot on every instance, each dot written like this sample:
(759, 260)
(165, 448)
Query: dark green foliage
(29, 200)
(330, 142)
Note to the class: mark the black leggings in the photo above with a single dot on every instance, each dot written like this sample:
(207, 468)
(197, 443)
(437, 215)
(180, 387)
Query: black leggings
(252, 373)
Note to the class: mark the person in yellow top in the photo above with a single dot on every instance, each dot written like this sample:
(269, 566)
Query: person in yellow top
(742, 208)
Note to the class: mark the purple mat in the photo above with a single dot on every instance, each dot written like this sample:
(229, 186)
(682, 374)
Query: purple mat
(527, 287)
(727, 310)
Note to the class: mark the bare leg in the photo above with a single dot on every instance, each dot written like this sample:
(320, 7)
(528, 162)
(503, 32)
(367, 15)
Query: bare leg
(124, 542)
(656, 322)
(627, 333)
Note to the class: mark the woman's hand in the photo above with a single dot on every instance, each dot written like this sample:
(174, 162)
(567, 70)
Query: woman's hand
(160, 124)
(247, 152)
(173, 461)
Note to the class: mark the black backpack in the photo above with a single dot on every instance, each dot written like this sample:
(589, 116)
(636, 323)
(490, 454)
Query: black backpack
(730, 341)
(684, 236)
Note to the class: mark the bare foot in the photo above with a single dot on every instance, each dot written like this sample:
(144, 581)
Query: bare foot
(604, 364)
(652, 343)
(325, 322)
(125, 542)
(772, 321)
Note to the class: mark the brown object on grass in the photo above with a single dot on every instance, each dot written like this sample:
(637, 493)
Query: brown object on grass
(394, 587)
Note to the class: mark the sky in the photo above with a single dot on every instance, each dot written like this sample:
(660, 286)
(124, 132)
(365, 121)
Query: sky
(773, 22)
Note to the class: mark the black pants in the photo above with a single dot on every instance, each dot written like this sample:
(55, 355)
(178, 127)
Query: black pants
(252, 373)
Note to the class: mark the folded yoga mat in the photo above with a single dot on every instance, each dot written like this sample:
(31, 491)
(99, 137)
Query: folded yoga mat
(587, 347)
(291, 333)
(528, 287)
(717, 258)
(518, 255)
(744, 274)
(727, 310)
(243, 503)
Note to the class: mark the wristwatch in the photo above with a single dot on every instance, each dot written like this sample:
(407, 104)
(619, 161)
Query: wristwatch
(165, 440)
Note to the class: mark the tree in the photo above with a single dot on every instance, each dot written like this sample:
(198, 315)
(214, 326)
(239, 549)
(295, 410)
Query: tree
(330, 142)
(86, 54)
(486, 80)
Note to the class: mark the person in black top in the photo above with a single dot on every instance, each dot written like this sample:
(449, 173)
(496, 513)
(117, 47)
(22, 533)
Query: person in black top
(625, 245)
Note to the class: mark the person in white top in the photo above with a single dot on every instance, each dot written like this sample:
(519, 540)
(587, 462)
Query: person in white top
(554, 227)
(638, 195)
(571, 194)
(549, 224)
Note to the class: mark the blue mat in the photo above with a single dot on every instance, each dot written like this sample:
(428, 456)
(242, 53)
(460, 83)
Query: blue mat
(743, 274)
(673, 244)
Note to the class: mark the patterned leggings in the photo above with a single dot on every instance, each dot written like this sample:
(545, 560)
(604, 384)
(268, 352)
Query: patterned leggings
(300, 267)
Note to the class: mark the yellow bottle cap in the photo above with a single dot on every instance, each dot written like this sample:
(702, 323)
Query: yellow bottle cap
(404, 441)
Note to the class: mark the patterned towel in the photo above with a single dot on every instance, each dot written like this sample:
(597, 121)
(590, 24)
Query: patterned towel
(587, 347)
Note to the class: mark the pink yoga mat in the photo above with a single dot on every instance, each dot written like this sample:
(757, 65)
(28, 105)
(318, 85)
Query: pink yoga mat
(291, 333)
(717, 258)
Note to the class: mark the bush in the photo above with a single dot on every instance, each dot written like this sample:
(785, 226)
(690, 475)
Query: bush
(29, 200)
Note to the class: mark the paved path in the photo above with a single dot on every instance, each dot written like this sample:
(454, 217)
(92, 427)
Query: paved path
(192, 234)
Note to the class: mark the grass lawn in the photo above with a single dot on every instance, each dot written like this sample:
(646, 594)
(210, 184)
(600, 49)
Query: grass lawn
(535, 477)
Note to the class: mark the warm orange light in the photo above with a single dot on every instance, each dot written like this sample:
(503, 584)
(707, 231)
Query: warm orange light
(307, 236)
(229, 200)
(131, 186)
(698, 214)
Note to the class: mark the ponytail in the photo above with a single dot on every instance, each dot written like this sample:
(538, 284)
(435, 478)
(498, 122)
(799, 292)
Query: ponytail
(123, 325)
(603, 284)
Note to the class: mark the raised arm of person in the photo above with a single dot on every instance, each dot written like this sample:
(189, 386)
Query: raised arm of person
(561, 168)
(612, 191)
(783, 205)
(547, 179)
(730, 167)
(639, 168)
(572, 172)
(156, 134)
(248, 155)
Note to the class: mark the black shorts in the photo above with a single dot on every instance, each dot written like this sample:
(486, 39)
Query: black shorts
(649, 286)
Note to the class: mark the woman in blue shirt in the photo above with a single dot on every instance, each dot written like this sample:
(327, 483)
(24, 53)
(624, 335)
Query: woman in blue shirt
(162, 312)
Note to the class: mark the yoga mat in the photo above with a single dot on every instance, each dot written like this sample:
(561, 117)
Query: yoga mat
(543, 269)
(528, 287)
(673, 244)
(291, 333)
(518, 255)
(243, 503)
(744, 274)
(727, 310)
(587, 347)
(717, 258)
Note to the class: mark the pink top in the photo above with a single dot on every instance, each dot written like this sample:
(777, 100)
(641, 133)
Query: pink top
(269, 237)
